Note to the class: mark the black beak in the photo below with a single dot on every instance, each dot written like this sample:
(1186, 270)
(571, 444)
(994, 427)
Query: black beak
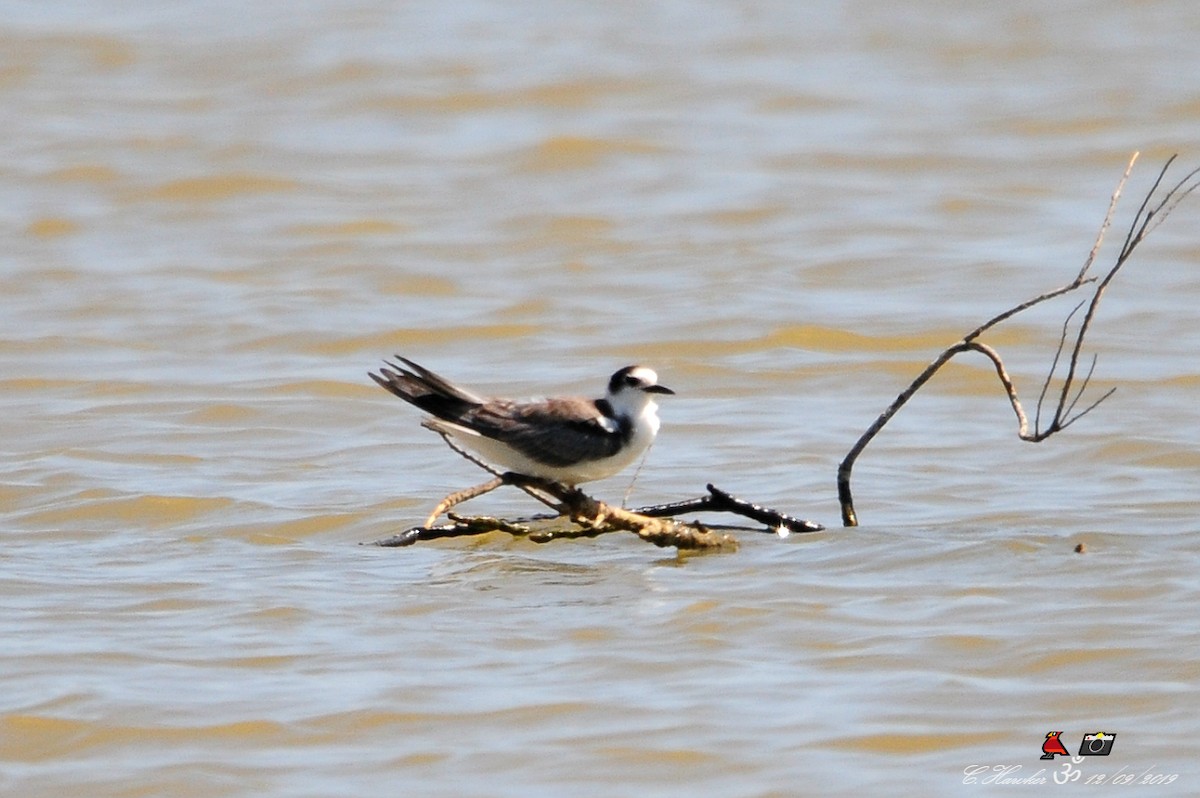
(658, 389)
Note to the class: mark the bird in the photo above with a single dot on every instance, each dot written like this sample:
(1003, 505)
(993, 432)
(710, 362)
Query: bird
(568, 439)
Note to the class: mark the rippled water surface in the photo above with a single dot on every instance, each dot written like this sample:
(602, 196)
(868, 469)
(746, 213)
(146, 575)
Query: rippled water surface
(217, 217)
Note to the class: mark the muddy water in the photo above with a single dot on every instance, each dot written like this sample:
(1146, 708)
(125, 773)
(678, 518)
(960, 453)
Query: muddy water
(217, 218)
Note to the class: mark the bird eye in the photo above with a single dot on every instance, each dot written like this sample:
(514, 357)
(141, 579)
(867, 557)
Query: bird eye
(632, 381)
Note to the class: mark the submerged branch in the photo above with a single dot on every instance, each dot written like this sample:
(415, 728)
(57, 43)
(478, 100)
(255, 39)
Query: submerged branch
(579, 515)
(589, 517)
(717, 500)
(586, 516)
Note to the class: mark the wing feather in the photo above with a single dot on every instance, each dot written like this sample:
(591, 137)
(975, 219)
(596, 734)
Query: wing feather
(557, 432)
(429, 391)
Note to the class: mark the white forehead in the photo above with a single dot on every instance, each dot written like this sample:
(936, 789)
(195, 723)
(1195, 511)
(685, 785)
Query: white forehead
(648, 376)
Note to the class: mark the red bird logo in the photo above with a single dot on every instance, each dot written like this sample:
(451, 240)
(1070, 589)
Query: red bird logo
(1053, 746)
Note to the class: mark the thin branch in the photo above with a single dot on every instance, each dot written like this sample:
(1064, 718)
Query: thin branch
(1085, 411)
(1138, 230)
(717, 500)
(1129, 237)
(1146, 219)
(843, 476)
(1009, 387)
(1174, 196)
(1026, 305)
(1062, 344)
(1108, 216)
(459, 526)
(1087, 378)
(1081, 278)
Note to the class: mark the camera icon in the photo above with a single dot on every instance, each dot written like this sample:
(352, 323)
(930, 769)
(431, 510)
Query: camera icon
(1098, 744)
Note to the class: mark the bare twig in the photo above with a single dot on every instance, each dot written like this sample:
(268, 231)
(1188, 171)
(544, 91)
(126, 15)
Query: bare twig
(1145, 220)
(717, 500)
(1062, 343)
(459, 526)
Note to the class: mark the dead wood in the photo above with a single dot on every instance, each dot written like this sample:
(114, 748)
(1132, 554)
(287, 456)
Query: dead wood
(579, 516)
(717, 500)
(1150, 214)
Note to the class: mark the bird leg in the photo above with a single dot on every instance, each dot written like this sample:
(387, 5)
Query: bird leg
(543, 490)
(460, 496)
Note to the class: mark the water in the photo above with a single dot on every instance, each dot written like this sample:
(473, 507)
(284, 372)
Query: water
(218, 217)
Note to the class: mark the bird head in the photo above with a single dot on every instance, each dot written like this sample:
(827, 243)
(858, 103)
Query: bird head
(633, 388)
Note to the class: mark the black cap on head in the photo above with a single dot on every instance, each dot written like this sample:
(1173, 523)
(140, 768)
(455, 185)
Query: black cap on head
(638, 377)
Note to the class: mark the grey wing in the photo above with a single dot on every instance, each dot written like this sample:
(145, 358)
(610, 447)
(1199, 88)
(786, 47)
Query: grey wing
(557, 432)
